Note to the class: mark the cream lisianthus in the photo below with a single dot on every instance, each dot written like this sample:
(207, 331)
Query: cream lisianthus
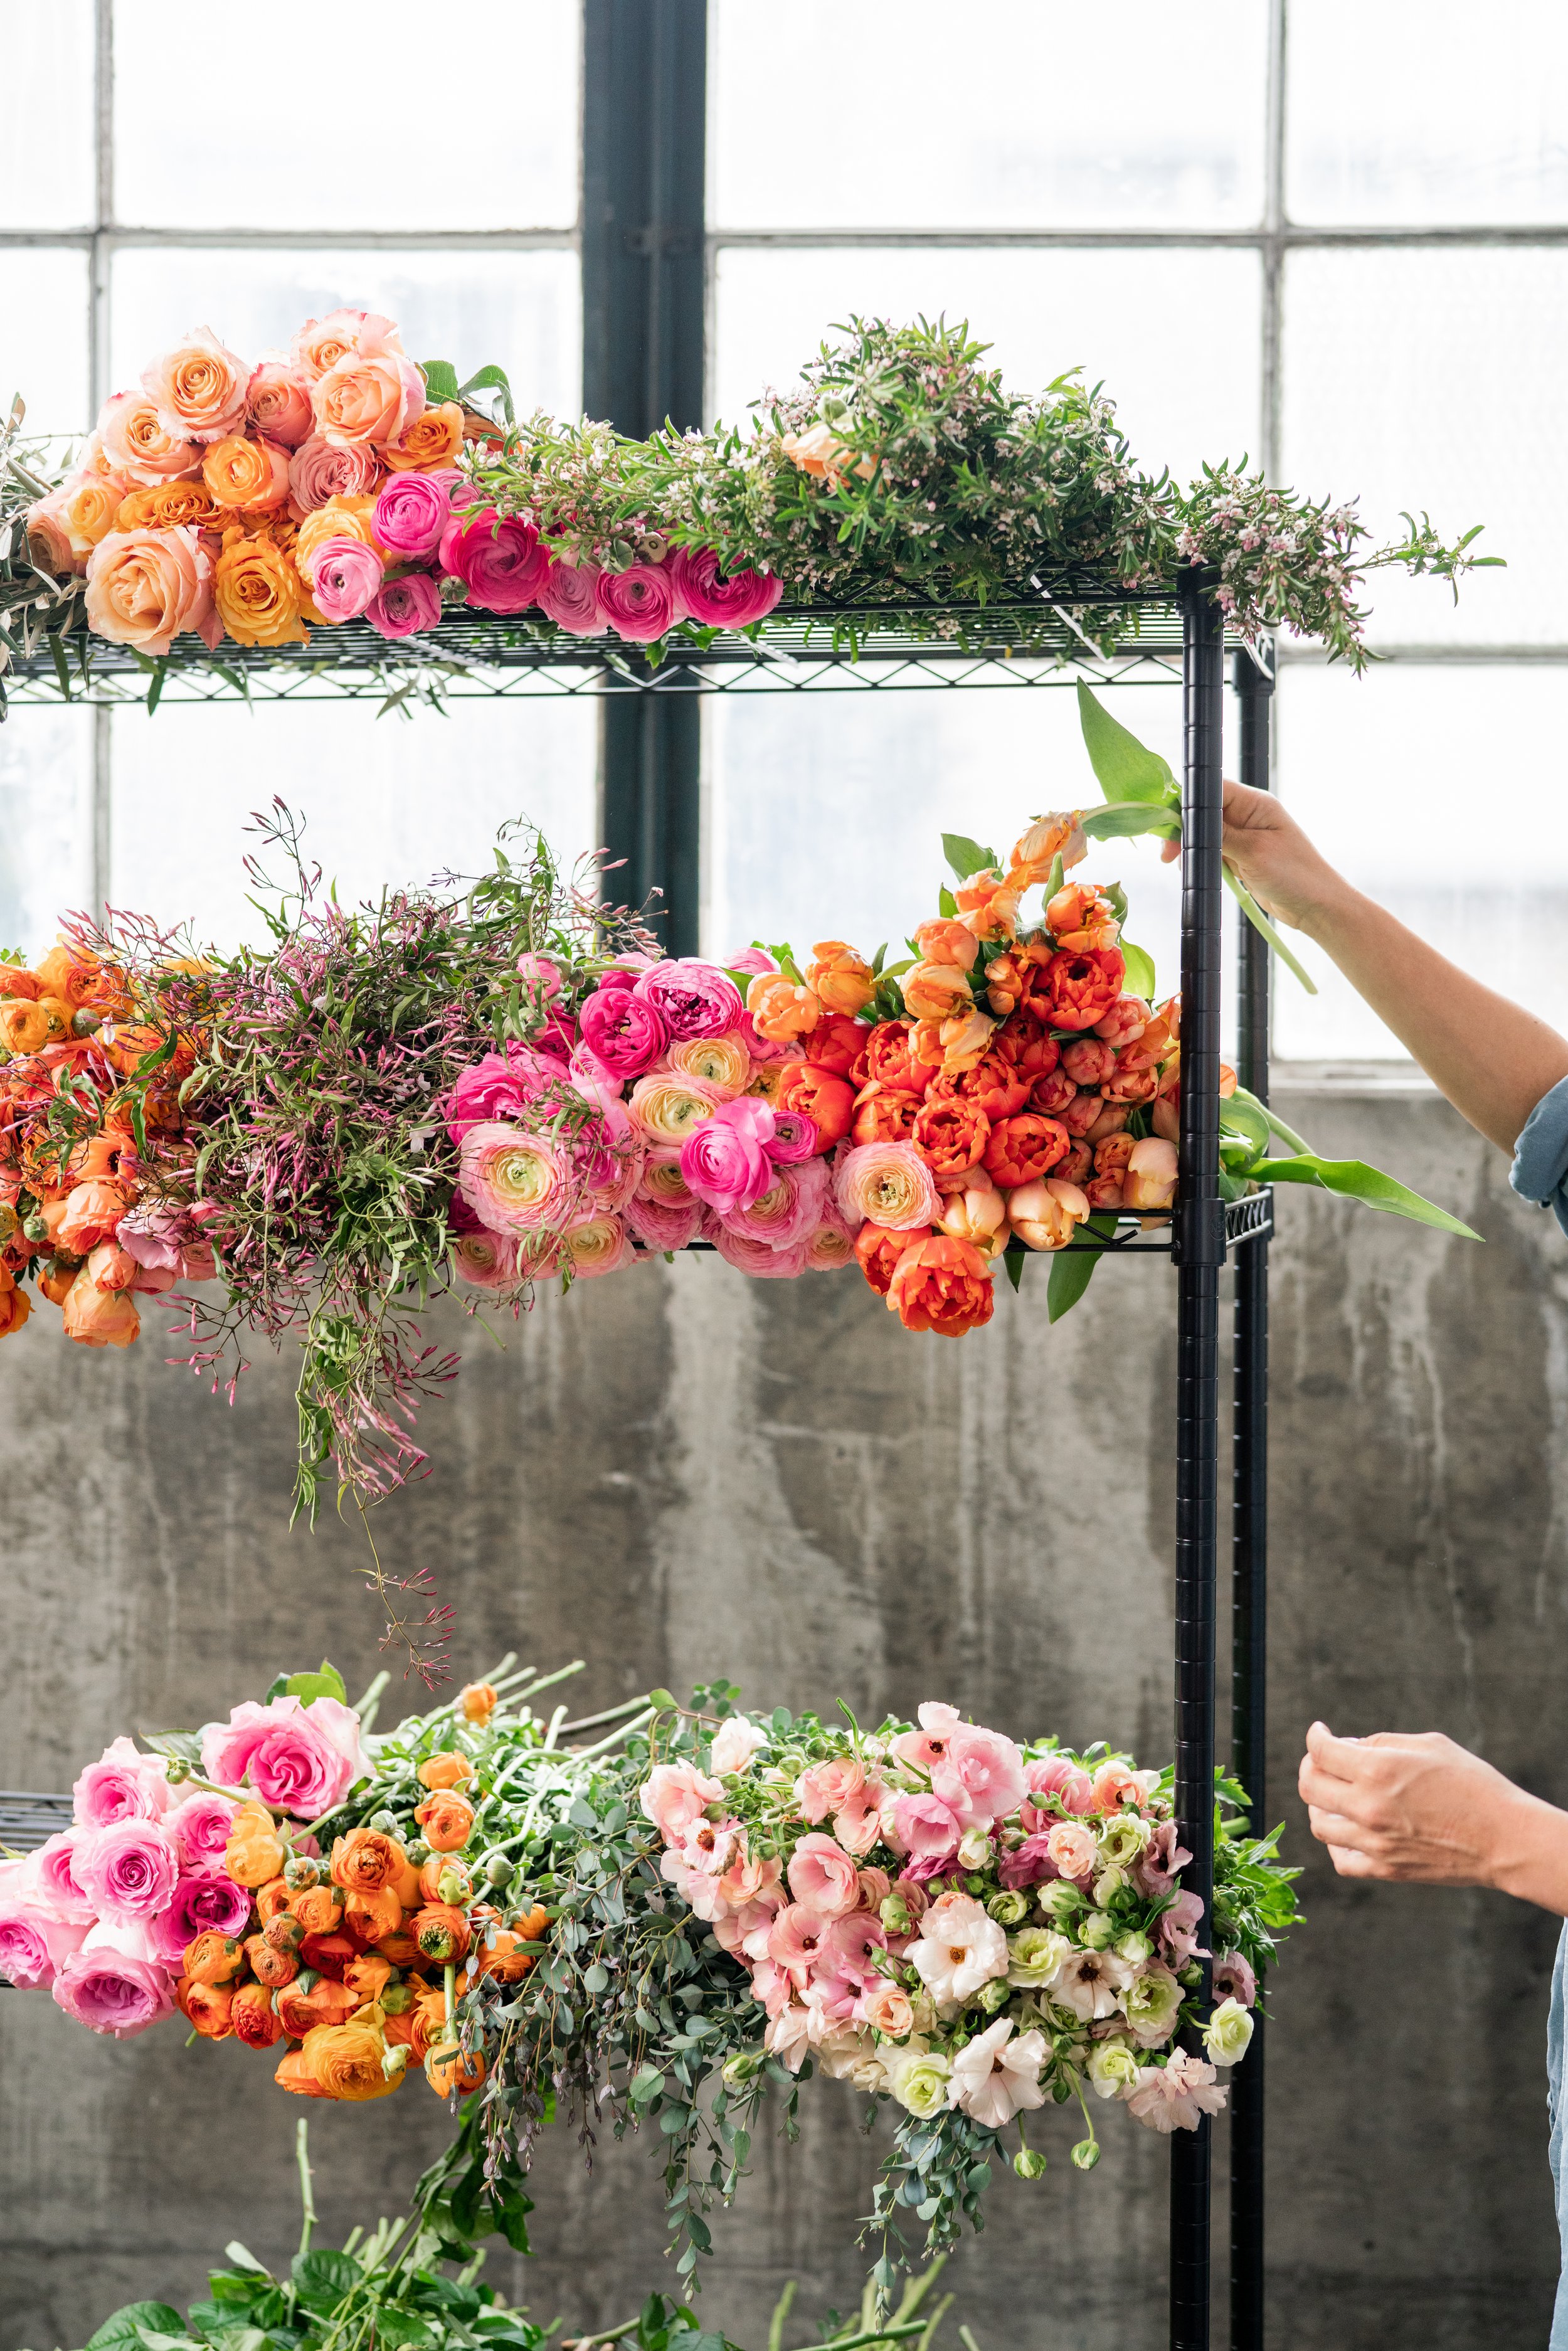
(1034, 1957)
(917, 2078)
(1114, 2068)
(1122, 1839)
(1150, 2004)
(1229, 2032)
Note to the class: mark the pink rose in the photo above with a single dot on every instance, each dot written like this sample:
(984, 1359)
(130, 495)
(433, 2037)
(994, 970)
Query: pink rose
(676, 1795)
(982, 1778)
(201, 1902)
(927, 1829)
(278, 403)
(664, 1224)
(1072, 1848)
(145, 588)
(135, 442)
(372, 394)
(34, 1942)
(624, 1031)
(50, 1876)
(199, 1826)
(638, 603)
(130, 1869)
(406, 606)
(725, 1161)
(109, 1990)
(567, 595)
(318, 471)
(346, 575)
(298, 1758)
(500, 562)
(758, 1259)
(122, 1785)
(695, 998)
(412, 510)
(715, 603)
(199, 389)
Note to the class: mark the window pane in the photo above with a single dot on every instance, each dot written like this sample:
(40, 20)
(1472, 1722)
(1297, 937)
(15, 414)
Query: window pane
(383, 802)
(521, 309)
(363, 121)
(1174, 335)
(43, 335)
(48, 170)
(1031, 117)
(1434, 379)
(1470, 120)
(1439, 791)
(45, 823)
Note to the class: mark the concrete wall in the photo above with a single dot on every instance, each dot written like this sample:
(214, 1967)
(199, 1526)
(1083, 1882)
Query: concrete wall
(680, 1473)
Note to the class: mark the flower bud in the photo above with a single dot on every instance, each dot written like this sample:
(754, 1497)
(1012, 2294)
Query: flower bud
(499, 1871)
(454, 1886)
(1135, 1949)
(34, 1228)
(1109, 1882)
(1098, 1931)
(975, 1848)
(740, 2069)
(300, 1873)
(1030, 2164)
(1061, 1899)
(1009, 1907)
(894, 1912)
(383, 1823)
(85, 1021)
(993, 1995)
(1086, 2154)
(175, 1770)
(393, 2059)
(418, 1853)
(397, 1999)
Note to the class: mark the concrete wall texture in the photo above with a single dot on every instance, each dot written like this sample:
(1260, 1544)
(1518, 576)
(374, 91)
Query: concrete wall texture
(681, 1473)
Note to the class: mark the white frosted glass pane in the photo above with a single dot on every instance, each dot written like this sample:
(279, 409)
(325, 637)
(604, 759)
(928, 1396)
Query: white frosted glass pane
(1470, 117)
(47, 164)
(43, 337)
(1434, 379)
(345, 117)
(522, 310)
(45, 823)
(1174, 335)
(384, 802)
(839, 115)
(1442, 793)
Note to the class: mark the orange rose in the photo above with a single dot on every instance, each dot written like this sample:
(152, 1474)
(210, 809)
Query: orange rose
(827, 1101)
(27, 1026)
(432, 439)
(145, 588)
(445, 1878)
(780, 1010)
(294, 2073)
(440, 1931)
(212, 1958)
(256, 592)
(449, 2069)
(135, 441)
(85, 510)
(325, 2002)
(254, 1851)
(368, 1976)
(445, 1771)
(269, 1964)
(477, 1702)
(340, 518)
(101, 1318)
(168, 505)
(345, 2059)
(841, 980)
(937, 991)
(950, 1133)
(253, 2019)
(447, 1820)
(199, 387)
(364, 1860)
(318, 1908)
(878, 1250)
(884, 1114)
(248, 475)
(941, 1285)
(207, 2006)
(15, 1303)
(367, 1916)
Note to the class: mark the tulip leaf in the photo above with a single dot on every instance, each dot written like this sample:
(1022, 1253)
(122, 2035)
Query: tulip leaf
(966, 856)
(1126, 768)
(1355, 1180)
(1122, 819)
(1265, 929)
(1012, 1262)
(1243, 1114)
(1275, 1125)
(1072, 1270)
(1140, 972)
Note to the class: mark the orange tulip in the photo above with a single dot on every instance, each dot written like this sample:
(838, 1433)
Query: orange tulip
(841, 980)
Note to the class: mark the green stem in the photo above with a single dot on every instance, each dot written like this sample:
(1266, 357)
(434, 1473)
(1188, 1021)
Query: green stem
(449, 1981)
(307, 2197)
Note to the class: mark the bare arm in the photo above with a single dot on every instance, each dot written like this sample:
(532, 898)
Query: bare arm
(1493, 1060)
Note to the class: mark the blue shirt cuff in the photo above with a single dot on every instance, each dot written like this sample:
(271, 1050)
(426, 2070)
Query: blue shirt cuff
(1540, 1171)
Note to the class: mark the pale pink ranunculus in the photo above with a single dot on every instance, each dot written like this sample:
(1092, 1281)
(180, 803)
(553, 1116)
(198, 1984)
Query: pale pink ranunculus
(995, 2078)
(134, 442)
(638, 603)
(203, 1901)
(600, 1245)
(498, 559)
(567, 595)
(198, 389)
(112, 1991)
(789, 1210)
(51, 1879)
(927, 1829)
(130, 1869)
(831, 1246)
(823, 1876)
(854, 1945)
(371, 394)
(725, 1161)
(318, 472)
(485, 1260)
(959, 1948)
(748, 1881)
(715, 603)
(346, 575)
(931, 1744)
(200, 1825)
(664, 1224)
(516, 1182)
(35, 1941)
(1234, 1979)
(406, 606)
(278, 402)
(122, 1785)
(759, 1261)
(745, 1925)
(1175, 2095)
(412, 510)
(145, 588)
(981, 1777)
(1058, 1776)
(886, 1184)
(735, 1742)
(857, 1823)
(298, 1758)
(674, 1795)
(1073, 1849)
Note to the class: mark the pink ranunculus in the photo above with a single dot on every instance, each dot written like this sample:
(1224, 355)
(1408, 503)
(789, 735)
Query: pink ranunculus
(638, 603)
(715, 603)
(493, 1088)
(822, 1789)
(406, 606)
(130, 1869)
(735, 1742)
(317, 471)
(1029, 1864)
(200, 1826)
(927, 1829)
(745, 1928)
(833, 1246)
(51, 1879)
(413, 510)
(567, 595)
(278, 402)
(982, 1778)
(759, 1261)
(788, 1211)
(1056, 1775)
(695, 998)
(109, 1991)
(794, 1140)
(1072, 1848)
(822, 1875)
(485, 1260)
(676, 1795)
(198, 389)
(35, 1942)
(796, 1938)
(1161, 1862)
(613, 1195)
(202, 1900)
(298, 1758)
(151, 1236)
(499, 561)
(931, 1744)
(122, 1785)
(1233, 1980)
(857, 1823)
(622, 1030)
(597, 1244)
(886, 1184)
(664, 1224)
(345, 576)
(1176, 1934)
(725, 1161)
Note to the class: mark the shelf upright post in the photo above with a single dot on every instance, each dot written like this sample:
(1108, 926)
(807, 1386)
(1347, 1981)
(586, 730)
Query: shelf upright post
(1199, 1252)
(1254, 680)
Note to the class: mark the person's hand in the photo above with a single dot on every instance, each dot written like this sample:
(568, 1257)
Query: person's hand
(1417, 1808)
(1270, 855)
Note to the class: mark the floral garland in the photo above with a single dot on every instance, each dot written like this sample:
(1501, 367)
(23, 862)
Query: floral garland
(962, 1927)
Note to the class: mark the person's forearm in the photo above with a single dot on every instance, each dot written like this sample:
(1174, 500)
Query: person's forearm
(1493, 1060)
(1532, 1858)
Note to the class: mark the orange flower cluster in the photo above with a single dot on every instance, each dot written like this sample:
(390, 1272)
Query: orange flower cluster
(346, 1961)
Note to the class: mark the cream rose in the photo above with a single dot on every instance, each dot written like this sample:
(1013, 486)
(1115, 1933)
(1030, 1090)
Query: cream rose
(198, 389)
(135, 441)
(144, 587)
(371, 394)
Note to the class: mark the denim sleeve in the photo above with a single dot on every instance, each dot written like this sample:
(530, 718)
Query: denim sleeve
(1540, 1154)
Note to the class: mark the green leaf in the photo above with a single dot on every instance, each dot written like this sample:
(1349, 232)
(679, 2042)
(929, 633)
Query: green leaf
(965, 856)
(241, 2255)
(323, 2279)
(326, 1683)
(1355, 1180)
(1126, 768)
(1012, 1262)
(1243, 1114)
(397, 2327)
(1124, 820)
(1265, 929)
(946, 905)
(1140, 975)
(1275, 1125)
(125, 2324)
(1072, 1270)
(439, 380)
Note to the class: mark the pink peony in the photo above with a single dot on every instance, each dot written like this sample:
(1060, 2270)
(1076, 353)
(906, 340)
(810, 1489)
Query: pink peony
(122, 1785)
(199, 1826)
(500, 562)
(567, 595)
(406, 606)
(202, 1900)
(278, 403)
(715, 603)
(823, 1876)
(413, 510)
(982, 1778)
(664, 1224)
(317, 471)
(1072, 1848)
(1175, 2095)
(676, 1795)
(693, 998)
(298, 1758)
(50, 1878)
(725, 1161)
(624, 1031)
(130, 1869)
(638, 603)
(346, 575)
(927, 1829)
(109, 1991)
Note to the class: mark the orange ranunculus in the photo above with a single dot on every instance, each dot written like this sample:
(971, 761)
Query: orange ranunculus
(950, 1135)
(878, 1250)
(364, 1860)
(884, 1114)
(272, 1898)
(99, 1318)
(1026, 1147)
(28, 1024)
(212, 1958)
(401, 1949)
(841, 979)
(445, 1878)
(247, 476)
(329, 1955)
(891, 1059)
(92, 1213)
(989, 905)
(432, 439)
(254, 1851)
(111, 1267)
(283, 1932)
(367, 1975)
(942, 1285)
(504, 1959)
(345, 2059)
(15, 1303)
(367, 1916)
(447, 1820)
(56, 1282)
(450, 2068)
(18, 983)
(207, 2006)
(96, 1160)
(1084, 986)
(256, 592)
(318, 1908)
(827, 1101)
(268, 1964)
(1151, 1179)
(1047, 1212)
(441, 1930)
(937, 991)
(405, 1886)
(445, 1771)
(780, 1010)
(421, 2026)
(294, 2073)
(166, 506)
(325, 2002)
(477, 1702)
(253, 2019)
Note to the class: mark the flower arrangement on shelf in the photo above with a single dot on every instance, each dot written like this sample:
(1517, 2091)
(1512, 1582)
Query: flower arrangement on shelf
(655, 1926)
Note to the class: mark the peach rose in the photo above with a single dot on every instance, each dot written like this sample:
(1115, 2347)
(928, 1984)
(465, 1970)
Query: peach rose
(167, 505)
(371, 394)
(99, 1318)
(1151, 1178)
(136, 442)
(942, 1285)
(339, 518)
(323, 343)
(432, 438)
(256, 592)
(247, 476)
(144, 588)
(48, 541)
(780, 1010)
(841, 979)
(198, 389)
(86, 509)
(278, 404)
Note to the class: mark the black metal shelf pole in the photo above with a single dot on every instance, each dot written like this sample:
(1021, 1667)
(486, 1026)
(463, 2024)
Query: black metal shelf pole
(1199, 1253)
(1249, 1539)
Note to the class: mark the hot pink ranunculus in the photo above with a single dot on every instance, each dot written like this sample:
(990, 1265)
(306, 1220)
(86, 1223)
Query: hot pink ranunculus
(298, 1758)
(622, 1030)
(795, 1140)
(317, 471)
(497, 1088)
(694, 999)
(676, 1795)
(638, 603)
(122, 1785)
(725, 1161)
(823, 1876)
(203, 1900)
(413, 510)
(567, 595)
(130, 1869)
(928, 1829)
(982, 1778)
(499, 561)
(109, 1991)
(406, 606)
(200, 1826)
(788, 1211)
(346, 575)
(715, 603)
